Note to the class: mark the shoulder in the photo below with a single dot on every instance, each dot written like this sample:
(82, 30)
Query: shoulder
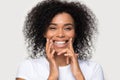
(28, 67)
(30, 61)
(24, 68)
(89, 64)
(91, 70)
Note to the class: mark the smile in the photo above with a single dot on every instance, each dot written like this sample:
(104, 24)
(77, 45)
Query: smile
(60, 43)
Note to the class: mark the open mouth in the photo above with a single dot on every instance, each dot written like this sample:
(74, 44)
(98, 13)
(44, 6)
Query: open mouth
(60, 43)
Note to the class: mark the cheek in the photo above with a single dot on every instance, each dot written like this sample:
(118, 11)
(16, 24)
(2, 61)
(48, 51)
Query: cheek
(71, 34)
(49, 35)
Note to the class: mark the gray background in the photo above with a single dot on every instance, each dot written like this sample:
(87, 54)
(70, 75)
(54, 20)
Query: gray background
(13, 50)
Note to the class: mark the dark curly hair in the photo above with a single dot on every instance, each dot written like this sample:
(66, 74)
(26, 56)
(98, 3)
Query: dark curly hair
(39, 18)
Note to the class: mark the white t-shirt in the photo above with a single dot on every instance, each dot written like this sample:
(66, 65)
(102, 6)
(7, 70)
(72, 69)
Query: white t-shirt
(38, 69)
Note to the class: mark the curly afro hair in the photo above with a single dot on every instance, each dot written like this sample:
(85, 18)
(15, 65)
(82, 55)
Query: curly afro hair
(39, 18)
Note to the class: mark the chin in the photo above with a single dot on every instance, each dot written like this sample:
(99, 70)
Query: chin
(59, 50)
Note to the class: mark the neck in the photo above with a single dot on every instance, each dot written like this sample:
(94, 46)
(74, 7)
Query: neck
(60, 60)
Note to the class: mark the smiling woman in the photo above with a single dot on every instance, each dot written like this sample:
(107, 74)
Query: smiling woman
(60, 30)
(60, 35)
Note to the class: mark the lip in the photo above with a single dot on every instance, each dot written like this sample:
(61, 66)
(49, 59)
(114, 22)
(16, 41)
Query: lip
(60, 43)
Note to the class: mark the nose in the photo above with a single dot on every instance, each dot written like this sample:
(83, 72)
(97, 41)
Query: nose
(60, 33)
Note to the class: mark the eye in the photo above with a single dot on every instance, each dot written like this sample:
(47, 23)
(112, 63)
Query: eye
(68, 28)
(51, 27)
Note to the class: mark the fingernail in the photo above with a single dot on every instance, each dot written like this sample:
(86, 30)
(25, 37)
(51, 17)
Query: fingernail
(58, 53)
(50, 40)
(47, 39)
(53, 51)
(50, 44)
(65, 54)
(70, 40)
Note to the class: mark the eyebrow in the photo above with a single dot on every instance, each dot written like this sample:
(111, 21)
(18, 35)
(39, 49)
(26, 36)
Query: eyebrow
(67, 24)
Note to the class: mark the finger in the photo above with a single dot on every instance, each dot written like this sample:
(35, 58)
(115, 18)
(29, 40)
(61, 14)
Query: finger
(51, 47)
(62, 52)
(48, 46)
(70, 44)
(53, 52)
(68, 55)
(76, 55)
(48, 42)
(67, 60)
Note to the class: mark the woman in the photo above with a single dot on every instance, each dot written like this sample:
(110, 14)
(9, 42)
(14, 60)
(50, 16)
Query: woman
(59, 35)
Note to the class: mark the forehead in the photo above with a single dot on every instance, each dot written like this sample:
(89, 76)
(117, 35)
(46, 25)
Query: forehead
(62, 18)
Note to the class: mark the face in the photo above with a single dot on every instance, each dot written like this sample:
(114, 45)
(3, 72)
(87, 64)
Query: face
(60, 31)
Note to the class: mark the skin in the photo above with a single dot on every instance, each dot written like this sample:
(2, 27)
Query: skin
(61, 28)
(19, 79)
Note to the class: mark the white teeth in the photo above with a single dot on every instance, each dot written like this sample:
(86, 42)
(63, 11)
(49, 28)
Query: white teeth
(59, 42)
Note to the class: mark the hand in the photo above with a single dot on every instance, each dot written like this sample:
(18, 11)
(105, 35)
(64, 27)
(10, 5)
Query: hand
(50, 56)
(72, 58)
